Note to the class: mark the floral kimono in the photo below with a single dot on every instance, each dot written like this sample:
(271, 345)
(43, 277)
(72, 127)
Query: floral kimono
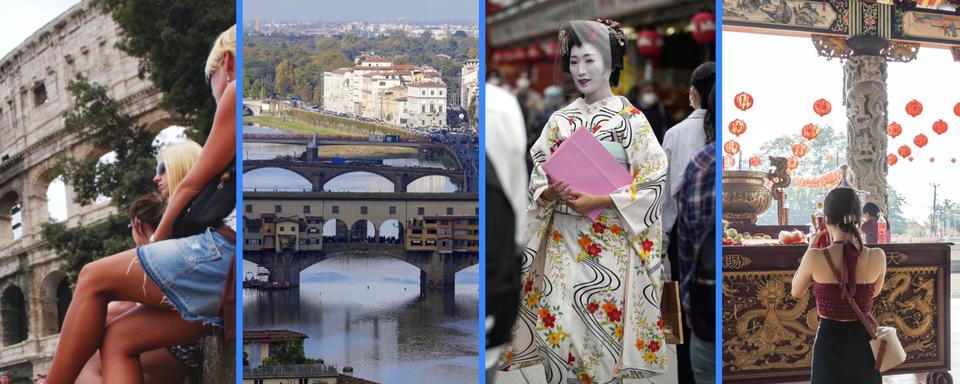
(590, 310)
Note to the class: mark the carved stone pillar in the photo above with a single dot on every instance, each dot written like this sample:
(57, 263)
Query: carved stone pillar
(865, 90)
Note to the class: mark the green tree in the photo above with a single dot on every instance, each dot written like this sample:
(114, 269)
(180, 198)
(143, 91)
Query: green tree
(97, 117)
(284, 78)
(172, 39)
(289, 352)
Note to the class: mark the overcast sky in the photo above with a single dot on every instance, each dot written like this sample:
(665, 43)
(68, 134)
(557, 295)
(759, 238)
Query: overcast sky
(361, 10)
(785, 76)
(21, 18)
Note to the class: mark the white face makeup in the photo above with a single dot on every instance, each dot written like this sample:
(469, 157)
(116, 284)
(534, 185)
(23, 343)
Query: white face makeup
(590, 73)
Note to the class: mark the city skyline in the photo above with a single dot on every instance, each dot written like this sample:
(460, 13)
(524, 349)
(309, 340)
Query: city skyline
(424, 11)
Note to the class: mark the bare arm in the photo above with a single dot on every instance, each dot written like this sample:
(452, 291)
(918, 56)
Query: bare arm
(882, 259)
(803, 277)
(217, 153)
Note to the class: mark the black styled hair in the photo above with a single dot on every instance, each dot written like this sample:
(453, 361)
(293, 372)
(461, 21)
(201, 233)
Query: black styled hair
(702, 79)
(616, 49)
(841, 207)
(872, 209)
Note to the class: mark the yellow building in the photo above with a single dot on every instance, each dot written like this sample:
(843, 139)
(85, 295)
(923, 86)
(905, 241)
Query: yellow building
(444, 234)
(288, 234)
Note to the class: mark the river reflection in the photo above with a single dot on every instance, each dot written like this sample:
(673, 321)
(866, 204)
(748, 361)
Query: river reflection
(369, 314)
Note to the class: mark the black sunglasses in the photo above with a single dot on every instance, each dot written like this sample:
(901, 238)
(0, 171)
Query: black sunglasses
(161, 168)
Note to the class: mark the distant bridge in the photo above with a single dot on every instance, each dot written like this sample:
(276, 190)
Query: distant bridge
(318, 173)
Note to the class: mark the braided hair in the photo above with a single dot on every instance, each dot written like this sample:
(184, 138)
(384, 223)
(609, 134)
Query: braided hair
(841, 207)
(617, 39)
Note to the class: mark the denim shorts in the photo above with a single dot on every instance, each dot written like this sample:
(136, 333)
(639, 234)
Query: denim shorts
(190, 272)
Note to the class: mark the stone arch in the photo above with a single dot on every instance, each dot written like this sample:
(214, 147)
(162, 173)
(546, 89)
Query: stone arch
(387, 229)
(254, 178)
(376, 183)
(362, 230)
(433, 184)
(57, 296)
(336, 231)
(53, 192)
(11, 216)
(13, 315)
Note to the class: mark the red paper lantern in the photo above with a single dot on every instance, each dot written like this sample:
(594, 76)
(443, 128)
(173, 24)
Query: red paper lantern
(920, 140)
(754, 161)
(704, 27)
(956, 109)
(731, 147)
(551, 49)
(792, 163)
(914, 108)
(737, 127)
(743, 101)
(799, 149)
(931, 159)
(649, 43)
(904, 151)
(910, 158)
(894, 129)
(953, 160)
(891, 159)
(810, 131)
(940, 127)
(728, 162)
(822, 107)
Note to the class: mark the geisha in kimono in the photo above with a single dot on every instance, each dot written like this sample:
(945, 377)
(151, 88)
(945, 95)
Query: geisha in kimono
(590, 309)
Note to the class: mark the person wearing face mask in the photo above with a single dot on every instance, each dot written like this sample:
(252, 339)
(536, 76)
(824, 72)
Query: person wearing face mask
(681, 143)
(648, 100)
(179, 282)
(589, 308)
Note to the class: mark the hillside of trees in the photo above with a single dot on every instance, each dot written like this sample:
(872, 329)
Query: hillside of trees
(286, 66)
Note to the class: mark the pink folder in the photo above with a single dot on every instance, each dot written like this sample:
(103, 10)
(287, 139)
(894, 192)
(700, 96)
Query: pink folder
(585, 164)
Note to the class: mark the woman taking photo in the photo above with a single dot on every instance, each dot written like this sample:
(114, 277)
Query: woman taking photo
(841, 350)
(589, 311)
(178, 281)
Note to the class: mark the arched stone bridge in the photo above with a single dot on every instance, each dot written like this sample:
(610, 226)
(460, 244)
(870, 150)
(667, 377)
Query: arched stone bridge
(318, 173)
(34, 292)
(351, 212)
(426, 148)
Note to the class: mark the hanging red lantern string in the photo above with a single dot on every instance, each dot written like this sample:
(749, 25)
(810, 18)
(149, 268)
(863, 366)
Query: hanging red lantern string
(799, 149)
(731, 147)
(649, 43)
(737, 127)
(822, 107)
(940, 127)
(728, 162)
(891, 159)
(743, 101)
(754, 161)
(894, 129)
(904, 151)
(920, 140)
(810, 131)
(914, 108)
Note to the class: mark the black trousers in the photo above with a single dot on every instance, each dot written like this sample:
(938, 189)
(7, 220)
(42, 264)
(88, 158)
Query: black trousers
(841, 354)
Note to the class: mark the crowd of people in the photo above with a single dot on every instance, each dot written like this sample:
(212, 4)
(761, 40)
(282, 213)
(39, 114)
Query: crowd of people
(140, 315)
(580, 297)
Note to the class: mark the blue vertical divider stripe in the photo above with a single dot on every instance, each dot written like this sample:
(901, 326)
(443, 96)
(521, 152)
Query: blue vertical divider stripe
(718, 128)
(239, 170)
(482, 177)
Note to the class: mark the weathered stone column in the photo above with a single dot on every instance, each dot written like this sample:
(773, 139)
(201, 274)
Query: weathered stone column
(865, 99)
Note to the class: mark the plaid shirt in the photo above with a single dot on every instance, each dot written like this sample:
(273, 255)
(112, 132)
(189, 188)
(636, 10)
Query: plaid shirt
(696, 209)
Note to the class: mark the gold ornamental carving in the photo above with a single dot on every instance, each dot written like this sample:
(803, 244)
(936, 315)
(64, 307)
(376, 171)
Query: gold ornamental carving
(896, 258)
(768, 333)
(735, 261)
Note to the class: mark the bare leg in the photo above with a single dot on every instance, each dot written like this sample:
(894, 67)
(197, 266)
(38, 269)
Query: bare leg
(140, 330)
(100, 282)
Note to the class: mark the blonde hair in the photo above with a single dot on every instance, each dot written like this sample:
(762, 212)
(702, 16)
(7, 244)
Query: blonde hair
(226, 42)
(178, 158)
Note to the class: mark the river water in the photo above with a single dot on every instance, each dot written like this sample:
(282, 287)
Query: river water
(368, 312)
